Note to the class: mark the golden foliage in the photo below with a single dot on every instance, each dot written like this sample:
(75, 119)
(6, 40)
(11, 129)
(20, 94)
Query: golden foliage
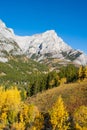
(85, 71)
(28, 113)
(80, 72)
(18, 126)
(59, 116)
(63, 81)
(15, 113)
(78, 127)
(10, 102)
(80, 118)
(38, 122)
(52, 82)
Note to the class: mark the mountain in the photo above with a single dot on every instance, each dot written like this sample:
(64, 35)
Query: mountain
(38, 47)
(8, 44)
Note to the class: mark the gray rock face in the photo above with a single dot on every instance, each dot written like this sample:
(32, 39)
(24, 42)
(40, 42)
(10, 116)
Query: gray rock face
(38, 47)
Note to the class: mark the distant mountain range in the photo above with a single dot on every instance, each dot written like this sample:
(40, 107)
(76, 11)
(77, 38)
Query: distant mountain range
(38, 47)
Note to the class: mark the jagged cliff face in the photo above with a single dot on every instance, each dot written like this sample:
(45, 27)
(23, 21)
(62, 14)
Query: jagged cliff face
(8, 44)
(43, 45)
(38, 47)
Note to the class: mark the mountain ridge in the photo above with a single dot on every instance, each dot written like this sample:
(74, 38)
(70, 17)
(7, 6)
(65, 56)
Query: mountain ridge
(38, 46)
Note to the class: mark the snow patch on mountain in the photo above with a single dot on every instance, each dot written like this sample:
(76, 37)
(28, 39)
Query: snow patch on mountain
(38, 47)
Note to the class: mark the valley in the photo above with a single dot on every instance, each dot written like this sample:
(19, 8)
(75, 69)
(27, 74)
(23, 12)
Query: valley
(43, 82)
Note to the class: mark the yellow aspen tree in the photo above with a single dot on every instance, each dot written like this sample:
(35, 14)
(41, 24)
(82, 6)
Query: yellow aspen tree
(38, 122)
(63, 81)
(80, 118)
(28, 114)
(18, 126)
(85, 72)
(10, 102)
(16, 114)
(52, 82)
(59, 116)
(80, 73)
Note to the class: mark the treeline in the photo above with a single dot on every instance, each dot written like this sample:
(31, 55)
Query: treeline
(16, 114)
(40, 81)
(37, 81)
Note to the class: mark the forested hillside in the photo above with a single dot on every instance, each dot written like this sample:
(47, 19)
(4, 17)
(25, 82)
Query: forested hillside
(61, 108)
(36, 98)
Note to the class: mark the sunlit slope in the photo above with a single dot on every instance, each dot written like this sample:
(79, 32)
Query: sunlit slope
(74, 95)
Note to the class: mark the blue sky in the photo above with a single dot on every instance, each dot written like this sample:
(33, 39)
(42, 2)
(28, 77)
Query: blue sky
(67, 17)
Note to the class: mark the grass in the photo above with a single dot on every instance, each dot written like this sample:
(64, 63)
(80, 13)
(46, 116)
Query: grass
(74, 95)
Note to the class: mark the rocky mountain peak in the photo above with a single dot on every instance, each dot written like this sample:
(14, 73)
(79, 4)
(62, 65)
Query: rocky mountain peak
(4, 31)
(50, 32)
(38, 47)
(2, 24)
